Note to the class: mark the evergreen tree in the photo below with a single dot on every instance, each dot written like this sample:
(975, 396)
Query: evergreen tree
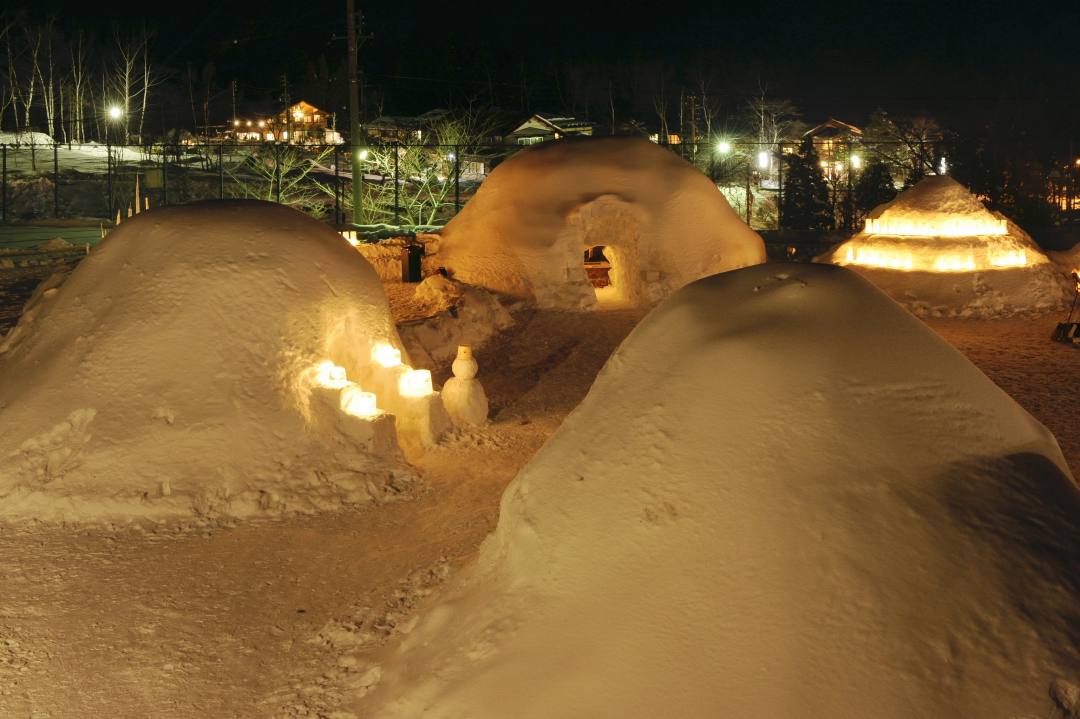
(874, 187)
(805, 201)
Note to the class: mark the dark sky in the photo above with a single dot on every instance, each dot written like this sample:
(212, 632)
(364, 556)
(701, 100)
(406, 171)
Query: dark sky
(835, 59)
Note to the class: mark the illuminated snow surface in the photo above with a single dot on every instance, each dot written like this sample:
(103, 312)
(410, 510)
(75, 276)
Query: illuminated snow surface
(807, 505)
(664, 224)
(166, 375)
(940, 252)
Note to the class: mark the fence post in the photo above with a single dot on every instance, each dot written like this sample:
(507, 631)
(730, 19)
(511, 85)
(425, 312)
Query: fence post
(56, 181)
(749, 203)
(397, 188)
(457, 179)
(3, 181)
(221, 171)
(277, 173)
(164, 175)
(338, 219)
(780, 191)
(108, 165)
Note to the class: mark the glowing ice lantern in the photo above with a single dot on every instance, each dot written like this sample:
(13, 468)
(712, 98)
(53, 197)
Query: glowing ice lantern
(358, 403)
(415, 383)
(388, 356)
(328, 374)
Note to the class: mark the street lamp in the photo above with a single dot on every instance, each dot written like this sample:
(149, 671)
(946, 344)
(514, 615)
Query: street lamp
(113, 112)
(723, 147)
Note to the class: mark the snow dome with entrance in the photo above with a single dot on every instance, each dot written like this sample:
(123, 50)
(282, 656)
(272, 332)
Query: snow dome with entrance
(938, 250)
(717, 531)
(660, 222)
(219, 358)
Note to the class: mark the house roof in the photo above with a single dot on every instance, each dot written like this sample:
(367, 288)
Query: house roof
(833, 127)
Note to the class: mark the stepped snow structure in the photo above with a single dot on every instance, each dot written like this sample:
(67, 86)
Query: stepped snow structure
(216, 359)
(720, 531)
(939, 251)
(661, 223)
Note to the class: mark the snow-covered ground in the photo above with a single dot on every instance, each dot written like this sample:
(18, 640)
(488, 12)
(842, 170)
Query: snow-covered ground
(26, 157)
(278, 618)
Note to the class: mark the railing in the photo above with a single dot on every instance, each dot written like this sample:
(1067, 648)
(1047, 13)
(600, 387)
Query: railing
(399, 184)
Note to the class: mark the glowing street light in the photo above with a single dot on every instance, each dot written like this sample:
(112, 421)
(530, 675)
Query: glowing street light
(763, 160)
(723, 147)
(115, 112)
(856, 161)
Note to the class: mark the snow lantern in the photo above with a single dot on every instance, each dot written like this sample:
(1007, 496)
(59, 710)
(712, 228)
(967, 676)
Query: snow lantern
(938, 250)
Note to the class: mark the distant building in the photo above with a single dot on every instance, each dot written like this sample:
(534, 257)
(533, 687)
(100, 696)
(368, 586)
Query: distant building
(300, 124)
(542, 127)
(405, 128)
(835, 142)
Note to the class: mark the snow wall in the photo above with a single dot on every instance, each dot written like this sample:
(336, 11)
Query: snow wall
(807, 505)
(525, 232)
(170, 373)
(982, 275)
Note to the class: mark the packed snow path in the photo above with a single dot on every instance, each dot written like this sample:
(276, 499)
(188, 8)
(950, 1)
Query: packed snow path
(224, 620)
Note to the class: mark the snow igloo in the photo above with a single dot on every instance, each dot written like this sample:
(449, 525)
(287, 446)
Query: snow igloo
(658, 222)
(936, 249)
(215, 358)
(719, 531)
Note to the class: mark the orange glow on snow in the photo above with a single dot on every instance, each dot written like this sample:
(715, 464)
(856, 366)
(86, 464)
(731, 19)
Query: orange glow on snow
(415, 383)
(386, 355)
(942, 227)
(328, 374)
(358, 403)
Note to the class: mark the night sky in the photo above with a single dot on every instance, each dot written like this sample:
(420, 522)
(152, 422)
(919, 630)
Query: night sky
(946, 59)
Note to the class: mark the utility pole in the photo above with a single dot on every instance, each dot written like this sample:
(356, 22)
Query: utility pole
(355, 140)
(233, 86)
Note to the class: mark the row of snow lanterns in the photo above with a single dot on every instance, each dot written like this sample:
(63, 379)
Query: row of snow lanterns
(871, 257)
(354, 401)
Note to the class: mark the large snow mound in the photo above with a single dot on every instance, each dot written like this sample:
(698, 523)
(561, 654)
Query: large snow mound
(806, 505)
(663, 222)
(171, 373)
(939, 251)
(1069, 259)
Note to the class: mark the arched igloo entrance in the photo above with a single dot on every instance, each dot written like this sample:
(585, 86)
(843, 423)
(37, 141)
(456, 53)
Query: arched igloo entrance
(608, 234)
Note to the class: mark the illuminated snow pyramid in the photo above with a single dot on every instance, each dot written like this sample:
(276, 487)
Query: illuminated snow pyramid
(187, 365)
(938, 250)
(720, 531)
(662, 224)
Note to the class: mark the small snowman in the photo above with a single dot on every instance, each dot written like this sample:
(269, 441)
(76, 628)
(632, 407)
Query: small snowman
(462, 395)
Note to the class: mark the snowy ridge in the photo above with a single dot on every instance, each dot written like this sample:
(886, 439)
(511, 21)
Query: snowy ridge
(808, 505)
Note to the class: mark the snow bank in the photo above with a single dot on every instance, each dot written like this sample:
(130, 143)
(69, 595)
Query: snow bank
(807, 505)
(940, 252)
(25, 138)
(1068, 259)
(458, 314)
(663, 222)
(173, 373)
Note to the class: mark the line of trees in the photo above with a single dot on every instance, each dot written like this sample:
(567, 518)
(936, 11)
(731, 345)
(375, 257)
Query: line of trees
(62, 83)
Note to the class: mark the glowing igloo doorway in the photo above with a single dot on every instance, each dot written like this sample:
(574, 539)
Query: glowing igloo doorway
(608, 231)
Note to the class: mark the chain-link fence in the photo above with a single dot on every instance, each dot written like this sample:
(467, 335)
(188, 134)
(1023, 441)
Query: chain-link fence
(396, 184)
